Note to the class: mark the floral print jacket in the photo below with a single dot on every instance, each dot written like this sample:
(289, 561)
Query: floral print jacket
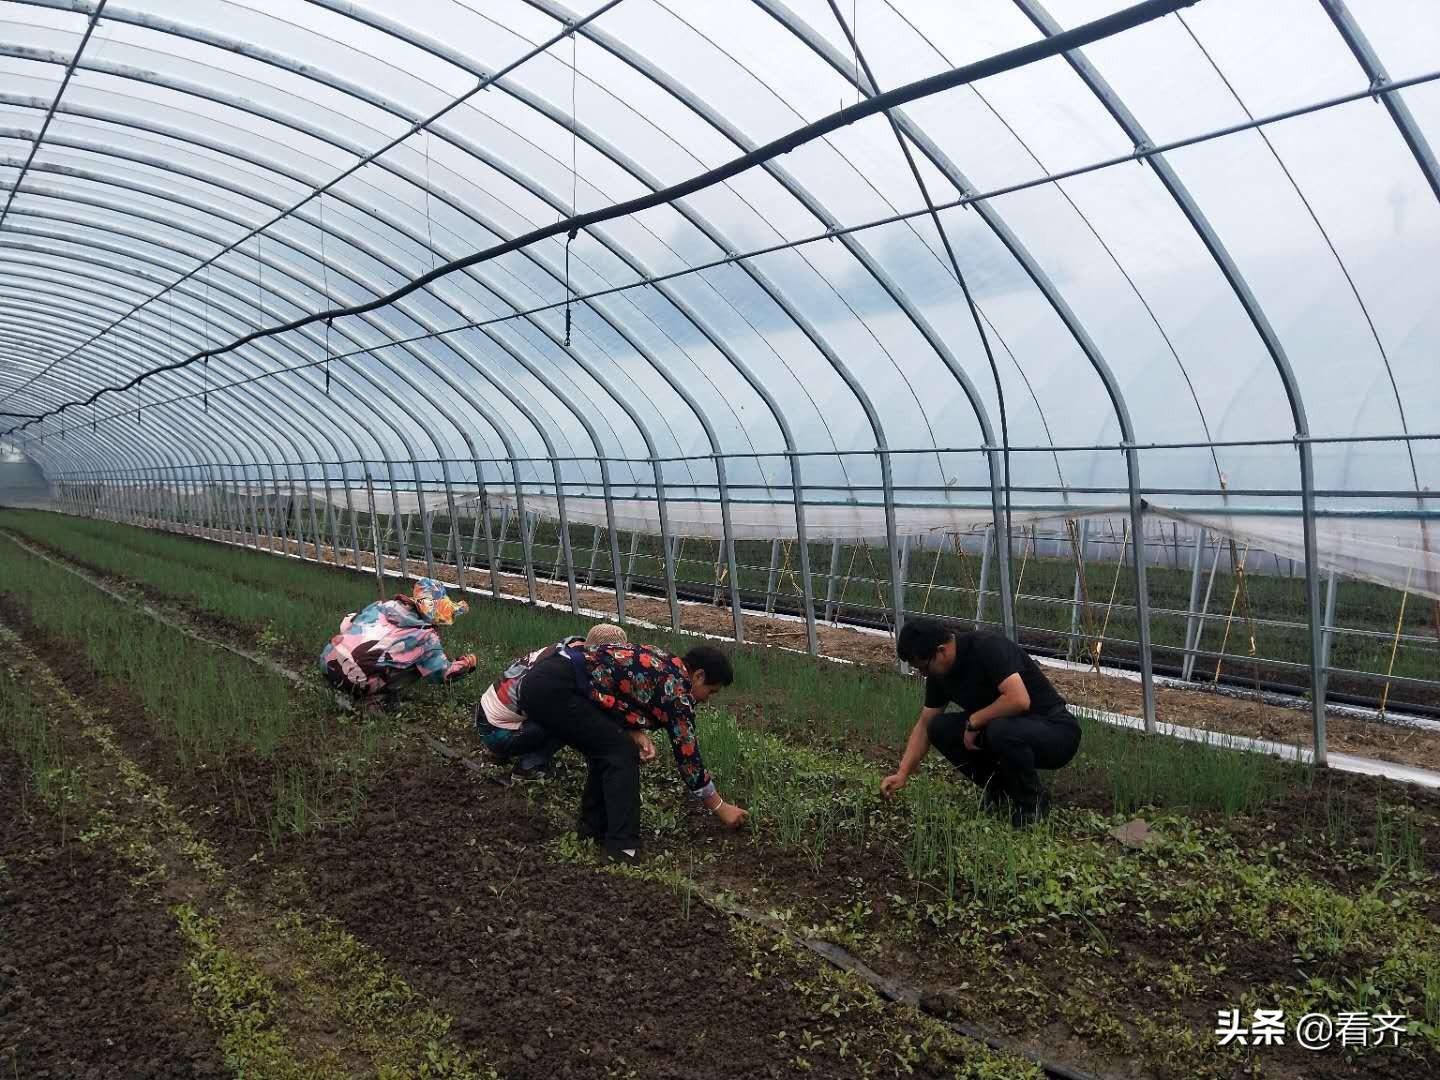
(646, 687)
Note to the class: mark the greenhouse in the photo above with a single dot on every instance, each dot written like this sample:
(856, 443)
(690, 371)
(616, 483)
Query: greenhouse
(777, 369)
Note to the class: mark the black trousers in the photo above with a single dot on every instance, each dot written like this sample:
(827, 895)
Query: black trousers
(1009, 751)
(610, 806)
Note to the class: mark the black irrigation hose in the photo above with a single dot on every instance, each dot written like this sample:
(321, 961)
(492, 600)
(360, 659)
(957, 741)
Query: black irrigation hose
(1108, 26)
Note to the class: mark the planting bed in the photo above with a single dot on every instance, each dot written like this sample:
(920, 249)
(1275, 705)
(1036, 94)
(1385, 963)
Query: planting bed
(1262, 886)
(1194, 708)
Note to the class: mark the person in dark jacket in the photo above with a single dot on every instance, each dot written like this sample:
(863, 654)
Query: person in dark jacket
(601, 699)
(1011, 720)
(505, 731)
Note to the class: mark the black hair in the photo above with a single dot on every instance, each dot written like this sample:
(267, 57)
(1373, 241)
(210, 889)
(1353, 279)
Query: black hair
(920, 639)
(716, 665)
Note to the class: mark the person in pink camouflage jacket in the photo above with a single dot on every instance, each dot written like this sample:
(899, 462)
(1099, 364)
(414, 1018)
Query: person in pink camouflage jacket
(390, 644)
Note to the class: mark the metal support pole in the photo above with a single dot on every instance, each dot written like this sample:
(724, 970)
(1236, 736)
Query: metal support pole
(527, 550)
(802, 541)
(354, 521)
(375, 538)
(1082, 530)
(594, 552)
(1142, 594)
(669, 563)
(904, 562)
(630, 565)
(457, 556)
(1331, 590)
(1191, 614)
(737, 616)
(564, 526)
(491, 555)
(774, 572)
(1313, 610)
(830, 584)
(990, 535)
(897, 586)
(1003, 551)
(394, 516)
(427, 539)
(1188, 671)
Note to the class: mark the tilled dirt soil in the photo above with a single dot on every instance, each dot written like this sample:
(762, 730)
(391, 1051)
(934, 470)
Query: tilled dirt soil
(91, 979)
(573, 972)
(552, 969)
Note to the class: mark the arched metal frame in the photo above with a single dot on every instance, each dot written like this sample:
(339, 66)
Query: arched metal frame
(54, 316)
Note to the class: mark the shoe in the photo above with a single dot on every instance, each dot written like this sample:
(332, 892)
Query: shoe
(622, 857)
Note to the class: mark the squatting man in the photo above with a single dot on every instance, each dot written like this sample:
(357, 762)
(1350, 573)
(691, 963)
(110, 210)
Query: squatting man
(1011, 720)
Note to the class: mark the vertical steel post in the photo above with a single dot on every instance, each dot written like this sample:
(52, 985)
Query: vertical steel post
(594, 553)
(527, 550)
(491, 555)
(457, 557)
(394, 517)
(354, 520)
(905, 563)
(1082, 530)
(375, 538)
(1312, 592)
(774, 571)
(1331, 589)
(1192, 615)
(990, 535)
(564, 528)
(669, 563)
(1189, 669)
(830, 584)
(1002, 551)
(897, 587)
(630, 563)
(737, 617)
(802, 540)
(1142, 594)
(427, 544)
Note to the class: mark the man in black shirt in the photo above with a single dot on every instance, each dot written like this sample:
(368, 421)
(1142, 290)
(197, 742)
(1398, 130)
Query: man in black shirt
(1012, 720)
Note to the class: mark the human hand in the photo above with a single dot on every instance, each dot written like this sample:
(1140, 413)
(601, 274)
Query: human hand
(643, 744)
(891, 784)
(730, 815)
(972, 739)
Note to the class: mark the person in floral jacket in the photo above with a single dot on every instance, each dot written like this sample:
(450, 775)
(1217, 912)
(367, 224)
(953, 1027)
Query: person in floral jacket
(602, 700)
(385, 647)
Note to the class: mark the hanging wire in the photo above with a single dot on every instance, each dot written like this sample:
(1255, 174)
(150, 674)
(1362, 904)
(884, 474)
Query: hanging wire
(861, 64)
(206, 396)
(325, 272)
(574, 176)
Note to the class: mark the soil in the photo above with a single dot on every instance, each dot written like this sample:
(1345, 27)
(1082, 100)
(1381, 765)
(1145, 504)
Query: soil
(569, 972)
(91, 979)
(558, 970)
(1192, 708)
